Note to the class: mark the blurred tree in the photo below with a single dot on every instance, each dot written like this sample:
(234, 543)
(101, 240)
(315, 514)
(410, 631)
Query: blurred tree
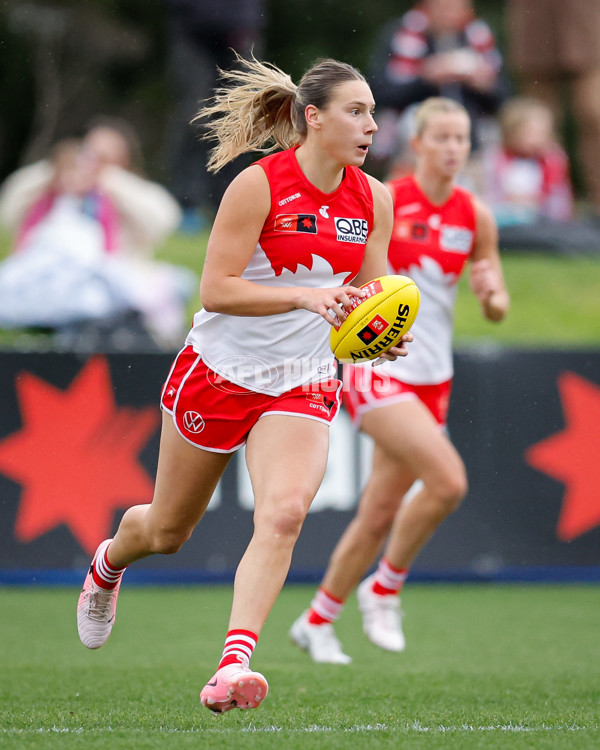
(64, 61)
(78, 59)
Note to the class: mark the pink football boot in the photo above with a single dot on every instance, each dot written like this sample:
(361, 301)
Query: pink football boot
(234, 686)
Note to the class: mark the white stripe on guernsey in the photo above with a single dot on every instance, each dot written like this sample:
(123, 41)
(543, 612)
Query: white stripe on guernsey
(326, 607)
(110, 575)
(388, 577)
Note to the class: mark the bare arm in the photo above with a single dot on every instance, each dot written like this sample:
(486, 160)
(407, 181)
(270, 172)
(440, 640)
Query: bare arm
(487, 279)
(21, 190)
(149, 211)
(234, 236)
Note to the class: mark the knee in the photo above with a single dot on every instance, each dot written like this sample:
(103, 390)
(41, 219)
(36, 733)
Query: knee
(286, 522)
(451, 492)
(377, 520)
(168, 541)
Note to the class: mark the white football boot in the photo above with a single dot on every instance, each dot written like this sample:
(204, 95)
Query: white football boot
(382, 617)
(319, 640)
(97, 608)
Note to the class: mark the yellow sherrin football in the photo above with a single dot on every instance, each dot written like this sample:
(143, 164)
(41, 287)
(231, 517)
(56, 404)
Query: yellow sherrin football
(378, 321)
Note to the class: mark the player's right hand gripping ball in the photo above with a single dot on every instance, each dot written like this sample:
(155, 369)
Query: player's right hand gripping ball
(378, 321)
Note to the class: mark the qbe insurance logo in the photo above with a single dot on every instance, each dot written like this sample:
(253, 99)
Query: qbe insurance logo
(352, 230)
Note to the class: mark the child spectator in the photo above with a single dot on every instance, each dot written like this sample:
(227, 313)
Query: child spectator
(526, 182)
(527, 175)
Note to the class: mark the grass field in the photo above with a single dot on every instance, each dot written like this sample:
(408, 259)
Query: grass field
(486, 667)
(555, 300)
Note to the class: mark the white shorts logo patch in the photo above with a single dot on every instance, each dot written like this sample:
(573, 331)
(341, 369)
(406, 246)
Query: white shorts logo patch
(352, 230)
(193, 422)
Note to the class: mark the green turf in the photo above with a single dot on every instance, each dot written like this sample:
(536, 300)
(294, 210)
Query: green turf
(554, 303)
(486, 667)
(555, 299)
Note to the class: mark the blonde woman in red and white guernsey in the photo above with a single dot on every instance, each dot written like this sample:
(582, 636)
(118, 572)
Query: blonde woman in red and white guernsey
(292, 234)
(438, 228)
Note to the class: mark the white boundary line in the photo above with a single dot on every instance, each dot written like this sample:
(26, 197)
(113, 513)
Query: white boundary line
(416, 726)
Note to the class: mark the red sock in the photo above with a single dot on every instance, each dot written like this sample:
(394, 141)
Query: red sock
(239, 646)
(388, 579)
(324, 608)
(104, 574)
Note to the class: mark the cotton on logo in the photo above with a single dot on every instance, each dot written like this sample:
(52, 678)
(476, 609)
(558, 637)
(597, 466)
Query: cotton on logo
(193, 422)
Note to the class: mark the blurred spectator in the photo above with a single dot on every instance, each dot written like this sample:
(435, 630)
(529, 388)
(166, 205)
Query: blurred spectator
(554, 50)
(203, 35)
(85, 226)
(527, 185)
(526, 177)
(438, 48)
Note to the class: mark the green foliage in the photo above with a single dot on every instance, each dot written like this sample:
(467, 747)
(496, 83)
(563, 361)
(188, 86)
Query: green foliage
(485, 667)
(92, 74)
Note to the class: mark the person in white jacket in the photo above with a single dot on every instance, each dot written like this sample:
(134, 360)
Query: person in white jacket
(85, 213)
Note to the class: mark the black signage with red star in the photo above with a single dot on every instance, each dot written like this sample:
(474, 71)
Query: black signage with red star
(79, 444)
(571, 456)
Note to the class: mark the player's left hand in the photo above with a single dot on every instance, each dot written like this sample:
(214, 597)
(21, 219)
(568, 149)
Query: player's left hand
(484, 280)
(395, 351)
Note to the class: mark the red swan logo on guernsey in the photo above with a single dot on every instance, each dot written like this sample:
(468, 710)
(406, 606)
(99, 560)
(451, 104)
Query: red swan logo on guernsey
(193, 422)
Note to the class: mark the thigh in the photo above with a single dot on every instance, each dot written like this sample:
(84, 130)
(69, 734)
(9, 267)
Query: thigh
(407, 435)
(186, 478)
(286, 458)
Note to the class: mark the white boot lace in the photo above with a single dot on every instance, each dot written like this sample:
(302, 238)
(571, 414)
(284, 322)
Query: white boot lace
(99, 605)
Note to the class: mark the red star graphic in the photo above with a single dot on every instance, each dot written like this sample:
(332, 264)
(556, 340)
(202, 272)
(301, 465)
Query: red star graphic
(76, 456)
(571, 456)
(307, 223)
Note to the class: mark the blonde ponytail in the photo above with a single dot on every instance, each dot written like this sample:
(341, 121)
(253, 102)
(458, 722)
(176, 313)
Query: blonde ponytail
(252, 111)
(260, 108)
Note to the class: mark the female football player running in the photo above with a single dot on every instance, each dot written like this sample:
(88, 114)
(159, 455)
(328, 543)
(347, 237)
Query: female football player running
(277, 274)
(403, 405)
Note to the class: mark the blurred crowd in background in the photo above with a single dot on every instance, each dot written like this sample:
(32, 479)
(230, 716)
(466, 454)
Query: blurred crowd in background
(100, 164)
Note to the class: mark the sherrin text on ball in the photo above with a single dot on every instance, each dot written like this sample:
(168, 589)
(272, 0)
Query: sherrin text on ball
(377, 321)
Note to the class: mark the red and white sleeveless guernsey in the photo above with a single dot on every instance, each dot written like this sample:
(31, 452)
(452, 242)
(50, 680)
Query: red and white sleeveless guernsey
(431, 244)
(309, 239)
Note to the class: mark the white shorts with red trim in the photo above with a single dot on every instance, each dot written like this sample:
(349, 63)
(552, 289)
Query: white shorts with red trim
(217, 415)
(366, 389)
